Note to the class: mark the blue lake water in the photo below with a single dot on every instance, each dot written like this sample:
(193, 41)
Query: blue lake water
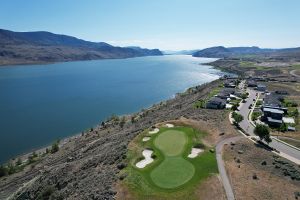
(42, 103)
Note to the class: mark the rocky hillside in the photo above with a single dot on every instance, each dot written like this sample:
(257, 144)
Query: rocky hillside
(223, 52)
(45, 47)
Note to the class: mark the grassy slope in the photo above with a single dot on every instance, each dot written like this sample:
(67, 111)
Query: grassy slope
(139, 181)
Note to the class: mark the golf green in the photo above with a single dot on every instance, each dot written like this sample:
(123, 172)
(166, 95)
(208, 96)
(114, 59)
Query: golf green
(174, 170)
(171, 142)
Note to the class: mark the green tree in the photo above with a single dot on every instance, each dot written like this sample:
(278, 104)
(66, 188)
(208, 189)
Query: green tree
(262, 131)
(19, 162)
(3, 171)
(55, 147)
(122, 122)
(11, 168)
(283, 127)
(237, 118)
(235, 106)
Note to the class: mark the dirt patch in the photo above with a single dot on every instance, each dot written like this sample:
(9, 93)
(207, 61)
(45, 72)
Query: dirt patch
(211, 189)
(256, 173)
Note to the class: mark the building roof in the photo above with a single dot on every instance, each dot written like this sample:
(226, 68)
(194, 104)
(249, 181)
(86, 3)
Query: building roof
(288, 120)
(290, 128)
(272, 100)
(217, 100)
(261, 85)
(270, 119)
(272, 110)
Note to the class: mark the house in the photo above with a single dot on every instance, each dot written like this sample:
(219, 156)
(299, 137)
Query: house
(261, 87)
(273, 116)
(230, 83)
(281, 92)
(272, 100)
(225, 93)
(216, 103)
(251, 83)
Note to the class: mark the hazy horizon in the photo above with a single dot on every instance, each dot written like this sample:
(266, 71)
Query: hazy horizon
(167, 25)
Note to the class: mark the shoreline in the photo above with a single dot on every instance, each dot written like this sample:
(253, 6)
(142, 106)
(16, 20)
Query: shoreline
(67, 61)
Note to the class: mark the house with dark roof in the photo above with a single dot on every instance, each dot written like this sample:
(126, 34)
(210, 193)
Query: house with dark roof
(230, 83)
(216, 103)
(225, 93)
(281, 92)
(272, 100)
(251, 83)
(261, 87)
(273, 116)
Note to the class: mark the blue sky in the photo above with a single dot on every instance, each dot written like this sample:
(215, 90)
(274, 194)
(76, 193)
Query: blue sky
(164, 24)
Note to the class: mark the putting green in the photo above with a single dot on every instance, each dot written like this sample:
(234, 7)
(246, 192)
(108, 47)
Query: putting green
(171, 142)
(172, 172)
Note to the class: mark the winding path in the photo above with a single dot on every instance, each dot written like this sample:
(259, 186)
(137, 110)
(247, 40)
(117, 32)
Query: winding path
(221, 165)
(293, 73)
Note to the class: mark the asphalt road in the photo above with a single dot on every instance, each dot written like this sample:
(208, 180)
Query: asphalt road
(249, 128)
(293, 73)
(221, 166)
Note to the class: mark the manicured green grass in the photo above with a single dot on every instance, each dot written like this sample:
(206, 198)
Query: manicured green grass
(171, 142)
(172, 175)
(173, 172)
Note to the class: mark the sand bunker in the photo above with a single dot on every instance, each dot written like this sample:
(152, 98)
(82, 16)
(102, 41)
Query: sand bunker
(145, 139)
(156, 130)
(143, 163)
(195, 152)
(170, 125)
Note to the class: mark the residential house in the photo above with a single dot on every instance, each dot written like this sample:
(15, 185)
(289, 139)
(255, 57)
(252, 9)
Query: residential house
(216, 103)
(261, 87)
(225, 93)
(281, 92)
(230, 83)
(273, 116)
(251, 83)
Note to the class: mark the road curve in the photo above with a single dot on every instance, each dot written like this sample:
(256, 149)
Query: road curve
(221, 166)
(293, 73)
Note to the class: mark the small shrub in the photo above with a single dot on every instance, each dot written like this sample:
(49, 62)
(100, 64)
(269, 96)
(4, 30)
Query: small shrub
(46, 193)
(254, 176)
(3, 171)
(199, 145)
(55, 147)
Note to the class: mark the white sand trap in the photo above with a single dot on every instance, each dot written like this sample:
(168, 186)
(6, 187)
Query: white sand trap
(195, 152)
(145, 139)
(170, 125)
(156, 130)
(143, 163)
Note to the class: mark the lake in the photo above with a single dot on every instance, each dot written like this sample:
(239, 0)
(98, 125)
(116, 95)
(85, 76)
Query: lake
(42, 103)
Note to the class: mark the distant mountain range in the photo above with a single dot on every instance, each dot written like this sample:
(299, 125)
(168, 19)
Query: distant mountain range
(223, 52)
(45, 47)
(182, 52)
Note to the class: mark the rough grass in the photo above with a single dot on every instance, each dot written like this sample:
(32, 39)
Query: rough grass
(142, 183)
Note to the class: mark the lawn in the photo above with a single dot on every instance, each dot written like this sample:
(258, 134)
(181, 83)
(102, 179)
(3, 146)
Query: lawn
(172, 175)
